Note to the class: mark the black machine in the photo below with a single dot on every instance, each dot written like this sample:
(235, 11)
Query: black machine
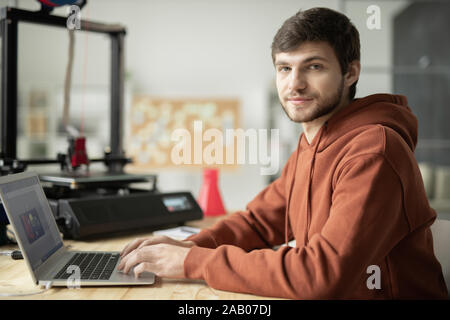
(86, 203)
(102, 203)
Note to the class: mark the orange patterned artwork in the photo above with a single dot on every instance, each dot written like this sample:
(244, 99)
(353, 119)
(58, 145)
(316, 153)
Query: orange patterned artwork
(181, 132)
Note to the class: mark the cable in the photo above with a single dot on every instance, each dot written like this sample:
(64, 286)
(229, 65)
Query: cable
(68, 80)
(48, 286)
(14, 254)
(17, 254)
(85, 67)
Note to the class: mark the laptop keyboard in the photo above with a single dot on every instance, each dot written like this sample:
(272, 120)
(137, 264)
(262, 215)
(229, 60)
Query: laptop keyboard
(93, 266)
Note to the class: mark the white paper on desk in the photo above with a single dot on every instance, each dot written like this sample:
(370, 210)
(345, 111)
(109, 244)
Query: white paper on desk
(179, 233)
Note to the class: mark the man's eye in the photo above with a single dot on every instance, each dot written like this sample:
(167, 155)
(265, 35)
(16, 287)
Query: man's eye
(315, 67)
(284, 69)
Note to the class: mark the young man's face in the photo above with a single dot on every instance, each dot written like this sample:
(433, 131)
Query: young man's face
(309, 81)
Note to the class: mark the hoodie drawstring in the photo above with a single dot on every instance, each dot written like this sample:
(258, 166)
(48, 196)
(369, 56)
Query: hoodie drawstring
(308, 195)
(286, 213)
(308, 206)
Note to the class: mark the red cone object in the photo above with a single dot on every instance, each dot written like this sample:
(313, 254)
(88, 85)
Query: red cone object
(209, 199)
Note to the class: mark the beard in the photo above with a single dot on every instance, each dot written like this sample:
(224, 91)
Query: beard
(319, 109)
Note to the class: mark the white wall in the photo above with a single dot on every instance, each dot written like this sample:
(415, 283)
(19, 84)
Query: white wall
(202, 48)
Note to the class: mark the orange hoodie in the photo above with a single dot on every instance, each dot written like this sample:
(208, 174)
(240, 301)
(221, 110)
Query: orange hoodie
(352, 199)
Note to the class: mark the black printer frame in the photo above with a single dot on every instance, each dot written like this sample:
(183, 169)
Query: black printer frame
(9, 26)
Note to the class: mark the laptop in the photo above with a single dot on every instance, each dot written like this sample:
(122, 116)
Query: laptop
(42, 247)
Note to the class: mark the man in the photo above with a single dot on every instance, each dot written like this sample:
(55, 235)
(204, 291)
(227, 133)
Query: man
(351, 195)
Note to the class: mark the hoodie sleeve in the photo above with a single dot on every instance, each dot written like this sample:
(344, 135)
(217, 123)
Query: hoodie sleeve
(261, 225)
(365, 222)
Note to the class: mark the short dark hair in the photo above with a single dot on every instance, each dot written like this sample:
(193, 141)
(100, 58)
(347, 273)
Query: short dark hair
(321, 24)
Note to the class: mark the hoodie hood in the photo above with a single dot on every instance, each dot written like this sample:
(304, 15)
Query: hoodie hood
(385, 109)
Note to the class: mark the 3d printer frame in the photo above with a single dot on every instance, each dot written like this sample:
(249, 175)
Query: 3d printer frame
(9, 22)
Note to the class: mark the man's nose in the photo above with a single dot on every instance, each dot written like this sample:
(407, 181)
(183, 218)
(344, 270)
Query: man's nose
(297, 81)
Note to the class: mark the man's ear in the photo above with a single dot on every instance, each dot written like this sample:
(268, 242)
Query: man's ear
(353, 71)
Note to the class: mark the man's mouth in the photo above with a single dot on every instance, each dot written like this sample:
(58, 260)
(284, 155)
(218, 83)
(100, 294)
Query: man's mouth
(299, 100)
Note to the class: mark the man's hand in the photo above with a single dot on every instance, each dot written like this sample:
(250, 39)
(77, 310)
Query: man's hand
(142, 242)
(161, 255)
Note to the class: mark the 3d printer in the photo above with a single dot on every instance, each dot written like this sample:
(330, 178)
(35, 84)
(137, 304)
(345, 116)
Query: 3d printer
(85, 203)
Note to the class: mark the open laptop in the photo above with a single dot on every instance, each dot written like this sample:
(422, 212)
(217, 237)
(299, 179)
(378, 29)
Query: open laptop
(41, 244)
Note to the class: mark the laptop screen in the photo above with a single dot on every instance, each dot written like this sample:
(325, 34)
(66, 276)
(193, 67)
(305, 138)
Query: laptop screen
(28, 208)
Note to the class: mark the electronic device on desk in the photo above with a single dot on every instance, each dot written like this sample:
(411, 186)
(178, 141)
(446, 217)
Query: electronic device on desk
(84, 202)
(98, 204)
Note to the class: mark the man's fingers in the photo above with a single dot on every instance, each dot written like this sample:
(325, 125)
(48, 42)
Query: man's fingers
(142, 242)
(155, 240)
(164, 260)
(146, 243)
(126, 249)
(123, 260)
(142, 267)
(134, 258)
(126, 262)
(161, 255)
(145, 254)
(131, 246)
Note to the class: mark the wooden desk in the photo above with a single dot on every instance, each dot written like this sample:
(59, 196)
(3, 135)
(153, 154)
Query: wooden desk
(15, 278)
